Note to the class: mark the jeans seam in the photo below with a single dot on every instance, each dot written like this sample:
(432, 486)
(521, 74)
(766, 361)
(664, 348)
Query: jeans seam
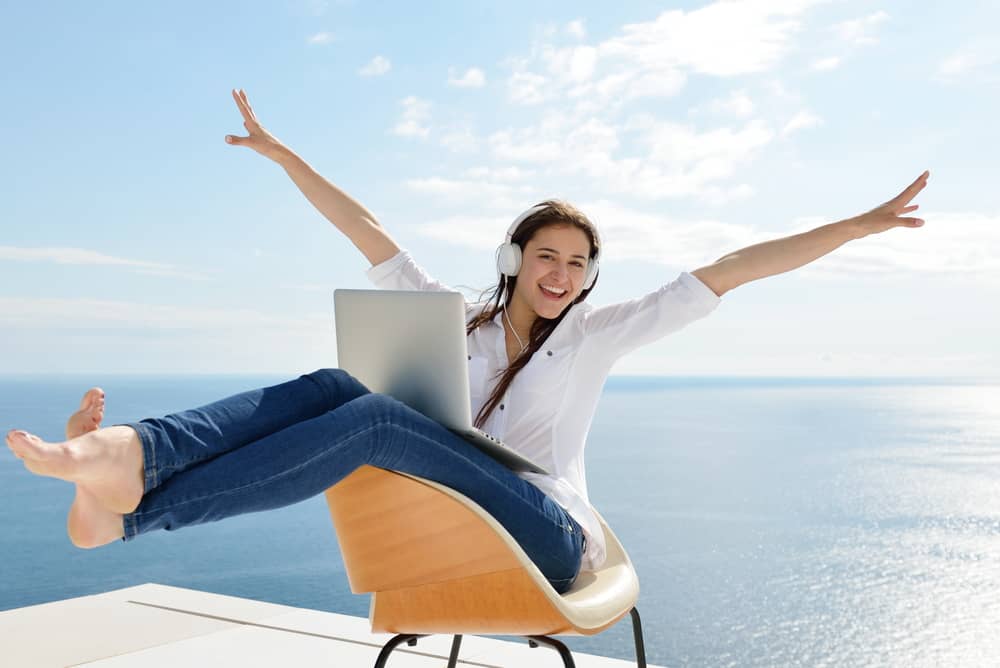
(321, 386)
(258, 483)
(485, 472)
(150, 473)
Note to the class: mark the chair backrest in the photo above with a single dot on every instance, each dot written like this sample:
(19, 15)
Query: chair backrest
(436, 562)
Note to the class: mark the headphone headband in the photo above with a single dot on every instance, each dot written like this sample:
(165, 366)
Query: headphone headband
(523, 217)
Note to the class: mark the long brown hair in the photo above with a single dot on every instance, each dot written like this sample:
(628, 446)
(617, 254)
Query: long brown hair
(556, 212)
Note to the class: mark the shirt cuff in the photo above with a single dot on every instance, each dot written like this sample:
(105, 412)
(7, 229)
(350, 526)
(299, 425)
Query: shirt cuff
(379, 272)
(701, 292)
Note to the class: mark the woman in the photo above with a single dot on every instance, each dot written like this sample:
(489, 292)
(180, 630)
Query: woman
(539, 356)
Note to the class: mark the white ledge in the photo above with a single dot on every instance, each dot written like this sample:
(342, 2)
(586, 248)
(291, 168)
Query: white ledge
(155, 626)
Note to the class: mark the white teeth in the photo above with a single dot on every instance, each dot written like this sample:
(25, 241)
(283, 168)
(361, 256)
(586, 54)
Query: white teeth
(555, 291)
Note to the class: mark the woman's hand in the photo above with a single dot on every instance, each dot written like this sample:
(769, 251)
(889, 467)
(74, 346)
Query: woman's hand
(890, 214)
(259, 139)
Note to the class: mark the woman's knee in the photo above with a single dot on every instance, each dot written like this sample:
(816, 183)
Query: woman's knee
(378, 407)
(337, 382)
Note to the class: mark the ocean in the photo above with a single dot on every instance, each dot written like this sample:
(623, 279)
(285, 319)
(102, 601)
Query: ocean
(772, 522)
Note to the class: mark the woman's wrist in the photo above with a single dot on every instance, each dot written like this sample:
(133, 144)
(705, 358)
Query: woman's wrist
(857, 230)
(285, 156)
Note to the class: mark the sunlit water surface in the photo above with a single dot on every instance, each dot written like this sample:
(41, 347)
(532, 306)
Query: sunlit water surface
(772, 523)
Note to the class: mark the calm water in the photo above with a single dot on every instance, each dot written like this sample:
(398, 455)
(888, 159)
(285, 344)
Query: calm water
(772, 523)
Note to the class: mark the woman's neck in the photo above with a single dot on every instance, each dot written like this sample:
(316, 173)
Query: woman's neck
(519, 322)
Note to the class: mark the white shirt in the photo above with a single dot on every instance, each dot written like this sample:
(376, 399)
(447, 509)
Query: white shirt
(547, 410)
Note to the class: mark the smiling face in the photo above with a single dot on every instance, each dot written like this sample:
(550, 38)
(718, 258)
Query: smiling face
(553, 267)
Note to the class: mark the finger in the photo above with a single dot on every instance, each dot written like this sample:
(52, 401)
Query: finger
(911, 190)
(912, 222)
(912, 207)
(236, 141)
(243, 94)
(247, 116)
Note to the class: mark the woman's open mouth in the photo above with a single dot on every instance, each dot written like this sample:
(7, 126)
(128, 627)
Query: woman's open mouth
(553, 293)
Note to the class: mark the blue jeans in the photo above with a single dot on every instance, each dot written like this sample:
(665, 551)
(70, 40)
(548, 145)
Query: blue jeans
(278, 445)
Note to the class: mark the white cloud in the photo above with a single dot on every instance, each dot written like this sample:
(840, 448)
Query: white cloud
(461, 141)
(584, 91)
(826, 64)
(718, 195)
(416, 113)
(630, 234)
(951, 244)
(82, 256)
(627, 234)
(320, 38)
(378, 66)
(956, 244)
(473, 78)
(668, 159)
(571, 65)
(484, 191)
(736, 104)
(472, 231)
(526, 145)
(526, 88)
(505, 174)
(969, 61)
(655, 58)
(861, 31)
(778, 90)
(801, 121)
(317, 7)
(720, 39)
(576, 29)
(76, 314)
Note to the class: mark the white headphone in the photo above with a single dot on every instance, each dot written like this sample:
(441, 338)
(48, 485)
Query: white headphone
(509, 254)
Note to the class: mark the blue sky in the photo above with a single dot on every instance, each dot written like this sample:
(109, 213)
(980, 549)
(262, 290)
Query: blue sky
(133, 239)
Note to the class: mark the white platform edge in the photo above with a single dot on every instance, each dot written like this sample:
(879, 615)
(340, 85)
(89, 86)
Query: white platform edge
(154, 625)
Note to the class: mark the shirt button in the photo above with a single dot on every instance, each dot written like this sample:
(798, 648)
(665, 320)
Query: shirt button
(501, 406)
(470, 357)
(550, 353)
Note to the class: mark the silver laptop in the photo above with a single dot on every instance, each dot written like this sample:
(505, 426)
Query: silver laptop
(411, 345)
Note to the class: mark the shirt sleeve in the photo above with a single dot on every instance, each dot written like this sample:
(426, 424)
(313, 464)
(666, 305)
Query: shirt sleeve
(617, 329)
(400, 272)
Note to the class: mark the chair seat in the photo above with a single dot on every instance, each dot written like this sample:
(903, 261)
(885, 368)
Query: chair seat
(436, 562)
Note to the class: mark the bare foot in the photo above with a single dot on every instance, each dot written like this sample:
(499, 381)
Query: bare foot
(90, 415)
(89, 524)
(107, 462)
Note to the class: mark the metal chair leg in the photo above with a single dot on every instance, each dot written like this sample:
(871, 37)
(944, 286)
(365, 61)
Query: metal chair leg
(533, 641)
(640, 646)
(383, 656)
(564, 652)
(456, 643)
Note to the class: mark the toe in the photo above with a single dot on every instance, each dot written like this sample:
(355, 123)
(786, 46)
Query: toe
(24, 445)
(18, 436)
(91, 398)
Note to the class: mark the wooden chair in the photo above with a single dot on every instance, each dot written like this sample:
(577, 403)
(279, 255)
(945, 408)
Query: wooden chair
(436, 562)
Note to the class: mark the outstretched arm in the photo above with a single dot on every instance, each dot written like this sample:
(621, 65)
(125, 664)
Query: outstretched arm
(781, 255)
(348, 215)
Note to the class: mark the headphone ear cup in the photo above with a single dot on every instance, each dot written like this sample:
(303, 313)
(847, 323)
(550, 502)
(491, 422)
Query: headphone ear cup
(509, 259)
(592, 268)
